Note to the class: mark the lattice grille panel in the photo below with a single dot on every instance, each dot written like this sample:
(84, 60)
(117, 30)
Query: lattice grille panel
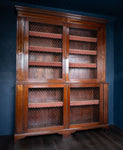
(42, 73)
(45, 57)
(84, 114)
(82, 59)
(40, 27)
(83, 32)
(41, 95)
(50, 40)
(45, 117)
(82, 45)
(82, 73)
(88, 93)
(45, 42)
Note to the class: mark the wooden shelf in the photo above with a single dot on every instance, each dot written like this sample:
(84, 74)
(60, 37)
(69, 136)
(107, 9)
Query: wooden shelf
(45, 49)
(44, 105)
(84, 102)
(83, 52)
(79, 65)
(49, 64)
(46, 35)
(84, 39)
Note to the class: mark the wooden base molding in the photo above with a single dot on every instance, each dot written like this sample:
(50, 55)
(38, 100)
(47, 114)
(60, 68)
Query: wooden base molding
(64, 132)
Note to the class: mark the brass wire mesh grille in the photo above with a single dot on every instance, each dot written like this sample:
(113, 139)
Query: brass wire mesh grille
(39, 95)
(84, 114)
(88, 72)
(45, 57)
(82, 45)
(51, 41)
(88, 93)
(45, 42)
(82, 59)
(45, 117)
(41, 27)
(87, 113)
(83, 32)
(42, 73)
(82, 73)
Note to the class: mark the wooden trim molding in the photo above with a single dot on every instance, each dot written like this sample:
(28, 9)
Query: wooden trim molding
(61, 131)
(23, 10)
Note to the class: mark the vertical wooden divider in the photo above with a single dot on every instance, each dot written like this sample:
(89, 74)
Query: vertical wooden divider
(19, 109)
(26, 49)
(101, 65)
(25, 112)
(20, 49)
(105, 103)
(68, 105)
(103, 54)
(101, 103)
(64, 54)
(99, 54)
(65, 107)
(67, 53)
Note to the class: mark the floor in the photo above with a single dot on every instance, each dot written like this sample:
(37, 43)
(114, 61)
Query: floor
(98, 139)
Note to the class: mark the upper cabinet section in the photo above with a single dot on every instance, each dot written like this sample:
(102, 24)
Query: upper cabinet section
(82, 54)
(45, 51)
(59, 47)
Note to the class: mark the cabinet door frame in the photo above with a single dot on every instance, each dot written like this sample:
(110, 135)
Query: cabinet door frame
(25, 121)
(23, 48)
(19, 112)
(83, 85)
(101, 51)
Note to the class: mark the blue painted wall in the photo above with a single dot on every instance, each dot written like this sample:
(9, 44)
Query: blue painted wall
(110, 67)
(7, 68)
(8, 62)
(118, 84)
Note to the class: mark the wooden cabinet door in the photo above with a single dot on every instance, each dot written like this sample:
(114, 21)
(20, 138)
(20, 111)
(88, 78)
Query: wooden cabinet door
(44, 107)
(85, 53)
(86, 105)
(43, 50)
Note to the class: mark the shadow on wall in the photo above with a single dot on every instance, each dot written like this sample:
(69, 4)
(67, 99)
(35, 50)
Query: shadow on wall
(118, 84)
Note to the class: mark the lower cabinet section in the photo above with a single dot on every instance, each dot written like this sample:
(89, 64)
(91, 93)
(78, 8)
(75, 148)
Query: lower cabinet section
(59, 108)
(45, 106)
(45, 117)
(86, 101)
(84, 114)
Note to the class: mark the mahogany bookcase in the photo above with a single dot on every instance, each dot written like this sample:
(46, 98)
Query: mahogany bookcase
(60, 73)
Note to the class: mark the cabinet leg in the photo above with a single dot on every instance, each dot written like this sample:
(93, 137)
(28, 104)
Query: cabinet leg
(106, 128)
(18, 137)
(65, 135)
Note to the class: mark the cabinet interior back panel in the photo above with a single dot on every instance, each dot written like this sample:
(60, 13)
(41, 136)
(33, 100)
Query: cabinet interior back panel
(45, 117)
(41, 95)
(83, 32)
(84, 93)
(84, 114)
(82, 73)
(45, 45)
